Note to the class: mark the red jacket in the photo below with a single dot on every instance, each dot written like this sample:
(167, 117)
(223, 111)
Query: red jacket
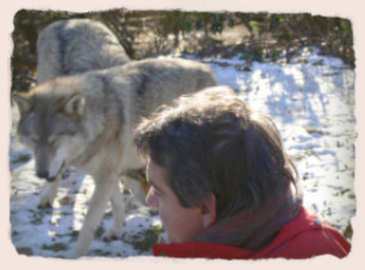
(303, 237)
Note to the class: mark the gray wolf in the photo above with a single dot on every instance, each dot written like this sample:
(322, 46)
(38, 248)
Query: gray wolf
(75, 46)
(87, 121)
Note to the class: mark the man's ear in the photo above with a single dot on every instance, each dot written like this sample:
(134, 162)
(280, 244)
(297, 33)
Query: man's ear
(75, 106)
(209, 210)
(23, 102)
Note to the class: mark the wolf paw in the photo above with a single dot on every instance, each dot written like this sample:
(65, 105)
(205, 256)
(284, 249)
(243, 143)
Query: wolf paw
(45, 202)
(48, 196)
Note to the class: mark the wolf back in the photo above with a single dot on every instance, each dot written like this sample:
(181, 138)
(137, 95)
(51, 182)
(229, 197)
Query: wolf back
(75, 46)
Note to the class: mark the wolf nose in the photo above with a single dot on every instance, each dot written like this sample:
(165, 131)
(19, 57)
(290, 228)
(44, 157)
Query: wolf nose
(50, 179)
(43, 174)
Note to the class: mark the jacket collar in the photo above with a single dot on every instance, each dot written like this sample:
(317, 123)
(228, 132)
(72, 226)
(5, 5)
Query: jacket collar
(302, 222)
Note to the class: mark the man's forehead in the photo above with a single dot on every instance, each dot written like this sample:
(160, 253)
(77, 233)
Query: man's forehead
(150, 170)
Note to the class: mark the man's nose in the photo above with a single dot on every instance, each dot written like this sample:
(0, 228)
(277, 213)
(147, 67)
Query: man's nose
(151, 199)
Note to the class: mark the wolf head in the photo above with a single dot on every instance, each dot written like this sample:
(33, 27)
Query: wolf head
(51, 125)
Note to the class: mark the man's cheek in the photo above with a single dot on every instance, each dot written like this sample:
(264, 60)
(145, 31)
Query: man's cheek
(162, 213)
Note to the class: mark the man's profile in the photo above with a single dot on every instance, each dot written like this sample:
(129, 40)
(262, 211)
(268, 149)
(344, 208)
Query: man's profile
(223, 184)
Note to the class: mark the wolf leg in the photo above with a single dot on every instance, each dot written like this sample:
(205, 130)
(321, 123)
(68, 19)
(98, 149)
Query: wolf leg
(49, 193)
(118, 210)
(102, 194)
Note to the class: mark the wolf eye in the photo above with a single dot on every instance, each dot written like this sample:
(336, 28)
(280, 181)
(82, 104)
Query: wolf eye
(52, 139)
(34, 138)
(67, 133)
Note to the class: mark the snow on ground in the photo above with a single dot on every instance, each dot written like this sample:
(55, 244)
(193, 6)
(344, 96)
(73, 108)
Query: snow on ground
(311, 99)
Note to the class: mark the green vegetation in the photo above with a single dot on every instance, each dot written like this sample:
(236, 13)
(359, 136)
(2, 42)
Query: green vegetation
(144, 240)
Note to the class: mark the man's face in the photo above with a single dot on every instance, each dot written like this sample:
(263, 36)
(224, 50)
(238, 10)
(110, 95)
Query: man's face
(181, 224)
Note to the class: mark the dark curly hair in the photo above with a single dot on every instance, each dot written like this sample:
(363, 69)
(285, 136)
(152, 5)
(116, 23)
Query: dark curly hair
(212, 142)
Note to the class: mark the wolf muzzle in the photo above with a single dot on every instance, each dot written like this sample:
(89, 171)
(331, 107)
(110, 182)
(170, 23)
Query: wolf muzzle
(45, 173)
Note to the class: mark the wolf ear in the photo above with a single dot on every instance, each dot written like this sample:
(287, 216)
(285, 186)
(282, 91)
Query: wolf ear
(75, 105)
(24, 103)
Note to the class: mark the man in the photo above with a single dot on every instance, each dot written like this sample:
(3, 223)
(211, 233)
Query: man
(223, 186)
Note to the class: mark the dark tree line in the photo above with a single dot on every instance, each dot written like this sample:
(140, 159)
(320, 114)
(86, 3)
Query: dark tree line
(150, 33)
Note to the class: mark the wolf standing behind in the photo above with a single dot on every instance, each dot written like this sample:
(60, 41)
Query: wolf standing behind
(87, 121)
(69, 47)
(75, 46)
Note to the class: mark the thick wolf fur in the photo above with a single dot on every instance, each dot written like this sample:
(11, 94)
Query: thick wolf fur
(87, 121)
(74, 46)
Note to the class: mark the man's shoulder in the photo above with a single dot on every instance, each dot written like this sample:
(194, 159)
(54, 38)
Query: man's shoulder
(304, 237)
(307, 236)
